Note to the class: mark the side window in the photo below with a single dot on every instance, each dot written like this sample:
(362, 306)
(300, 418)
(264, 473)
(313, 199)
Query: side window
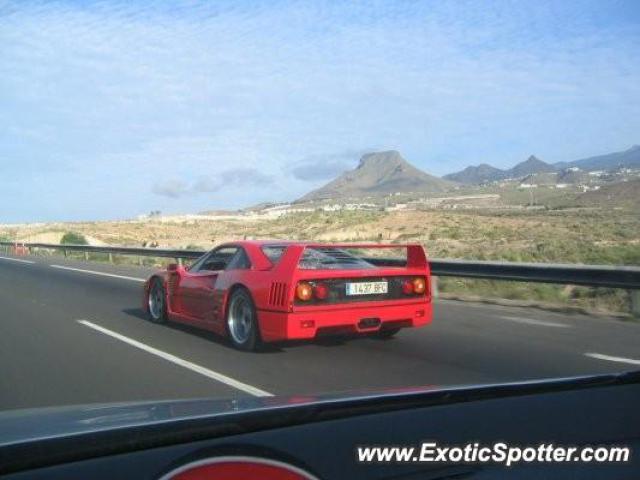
(239, 261)
(217, 260)
(195, 266)
(273, 252)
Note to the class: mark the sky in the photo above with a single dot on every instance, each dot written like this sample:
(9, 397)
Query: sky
(113, 109)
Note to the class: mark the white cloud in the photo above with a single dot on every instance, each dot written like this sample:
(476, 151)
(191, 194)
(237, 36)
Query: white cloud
(326, 166)
(171, 188)
(227, 179)
(120, 96)
(236, 177)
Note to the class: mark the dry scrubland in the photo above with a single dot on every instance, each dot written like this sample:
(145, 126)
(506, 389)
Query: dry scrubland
(563, 236)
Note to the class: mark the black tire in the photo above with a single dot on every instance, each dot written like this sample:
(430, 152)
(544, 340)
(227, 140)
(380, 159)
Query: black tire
(387, 333)
(157, 302)
(242, 321)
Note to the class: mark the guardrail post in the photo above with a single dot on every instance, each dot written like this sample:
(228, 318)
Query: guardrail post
(179, 261)
(86, 256)
(111, 258)
(64, 252)
(635, 302)
(434, 287)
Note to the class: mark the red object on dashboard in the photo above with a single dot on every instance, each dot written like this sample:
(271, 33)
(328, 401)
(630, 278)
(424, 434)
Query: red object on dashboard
(238, 468)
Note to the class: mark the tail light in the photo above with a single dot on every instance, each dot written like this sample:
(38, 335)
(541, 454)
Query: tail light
(304, 291)
(407, 287)
(419, 285)
(320, 291)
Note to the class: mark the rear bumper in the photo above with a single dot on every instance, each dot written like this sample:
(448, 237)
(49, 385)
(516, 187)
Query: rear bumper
(275, 326)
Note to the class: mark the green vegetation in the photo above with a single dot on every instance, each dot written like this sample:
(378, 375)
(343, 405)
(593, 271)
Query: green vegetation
(73, 238)
(606, 300)
(575, 237)
(314, 225)
(569, 235)
(550, 237)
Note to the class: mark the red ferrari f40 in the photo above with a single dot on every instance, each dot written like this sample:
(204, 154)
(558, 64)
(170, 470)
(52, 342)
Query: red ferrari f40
(267, 291)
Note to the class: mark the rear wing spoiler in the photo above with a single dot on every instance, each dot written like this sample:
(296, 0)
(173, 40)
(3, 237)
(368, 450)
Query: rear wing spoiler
(416, 256)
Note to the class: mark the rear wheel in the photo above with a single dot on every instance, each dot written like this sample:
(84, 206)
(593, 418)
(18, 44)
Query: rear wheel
(387, 333)
(242, 321)
(156, 303)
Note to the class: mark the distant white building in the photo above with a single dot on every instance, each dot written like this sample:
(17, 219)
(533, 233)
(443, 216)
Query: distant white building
(397, 206)
(332, 208)
(359, 206)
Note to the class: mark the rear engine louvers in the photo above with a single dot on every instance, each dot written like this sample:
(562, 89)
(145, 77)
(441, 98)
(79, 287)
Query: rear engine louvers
(278, 294)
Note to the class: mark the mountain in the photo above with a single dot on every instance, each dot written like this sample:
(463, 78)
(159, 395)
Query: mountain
(486, 173)
(377, 174)
(530, 166)
(476, 175)
(629, 158)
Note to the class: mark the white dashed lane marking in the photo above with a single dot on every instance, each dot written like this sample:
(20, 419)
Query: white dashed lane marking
(609, 358)
(539, 323)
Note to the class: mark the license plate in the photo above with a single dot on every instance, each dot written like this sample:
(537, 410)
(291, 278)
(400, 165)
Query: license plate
(367, 288)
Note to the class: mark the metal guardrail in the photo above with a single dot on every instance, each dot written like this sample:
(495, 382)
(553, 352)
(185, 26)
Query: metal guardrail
(587, 275)
(141, 252)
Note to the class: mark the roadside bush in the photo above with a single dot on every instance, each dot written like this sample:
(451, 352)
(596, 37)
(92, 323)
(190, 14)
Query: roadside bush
(73, 238)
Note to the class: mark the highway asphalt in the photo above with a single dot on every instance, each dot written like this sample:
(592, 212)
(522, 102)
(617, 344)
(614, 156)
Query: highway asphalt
(74, 335)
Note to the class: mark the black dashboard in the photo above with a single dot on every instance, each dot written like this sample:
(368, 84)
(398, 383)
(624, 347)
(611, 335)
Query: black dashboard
(317, 438)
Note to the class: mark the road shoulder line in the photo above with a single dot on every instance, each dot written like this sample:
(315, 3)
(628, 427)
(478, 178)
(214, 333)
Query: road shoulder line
(17, 260)
(93, 272)
(179, 361)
